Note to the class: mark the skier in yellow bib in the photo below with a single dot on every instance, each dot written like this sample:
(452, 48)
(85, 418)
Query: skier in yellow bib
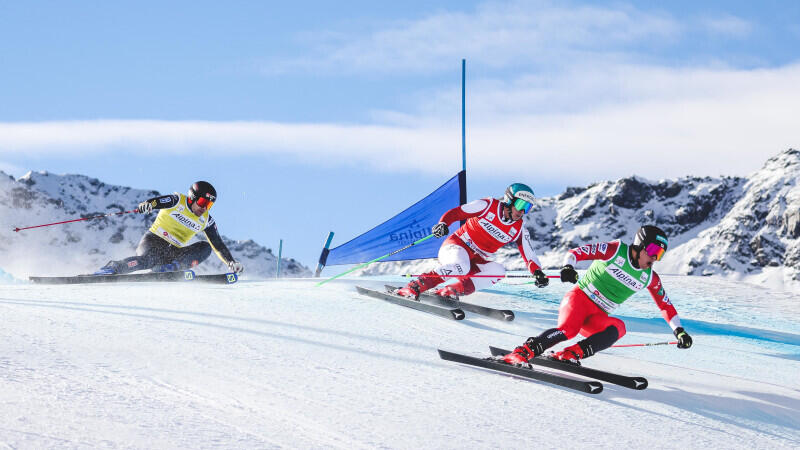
(165, 247)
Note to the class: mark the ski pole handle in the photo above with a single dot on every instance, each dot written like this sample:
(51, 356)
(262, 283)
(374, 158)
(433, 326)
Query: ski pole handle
(376, 259)
(74, 220)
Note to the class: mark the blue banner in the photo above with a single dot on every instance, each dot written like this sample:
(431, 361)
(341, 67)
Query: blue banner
(403, 229)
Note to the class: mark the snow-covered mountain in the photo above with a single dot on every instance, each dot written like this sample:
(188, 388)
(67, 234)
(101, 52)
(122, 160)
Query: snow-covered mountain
(740, 228)
(737, 227)
(41, 197)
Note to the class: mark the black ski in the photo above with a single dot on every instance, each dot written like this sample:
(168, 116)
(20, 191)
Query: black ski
(455, 314)
(590, 387)
(502, 314)
(220, 278)
(637, 383)
(182, 275)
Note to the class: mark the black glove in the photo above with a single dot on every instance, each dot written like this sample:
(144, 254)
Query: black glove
(146, 207)
(541, 279)
(568, 273)
(684, 340)
(440, 230)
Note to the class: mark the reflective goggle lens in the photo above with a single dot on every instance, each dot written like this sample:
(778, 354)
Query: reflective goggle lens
(522, 205)
(204, 203)
(655, 251)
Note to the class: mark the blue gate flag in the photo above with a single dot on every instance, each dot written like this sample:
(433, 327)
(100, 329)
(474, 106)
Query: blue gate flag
(410, 225)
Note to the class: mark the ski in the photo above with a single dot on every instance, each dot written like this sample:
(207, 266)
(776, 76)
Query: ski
(219, 278)
(181, 275)
(637, 383)
(501, 314)
(590, 387)
(449, 313)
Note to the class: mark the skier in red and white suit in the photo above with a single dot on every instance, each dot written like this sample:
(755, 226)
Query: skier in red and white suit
(490, 224)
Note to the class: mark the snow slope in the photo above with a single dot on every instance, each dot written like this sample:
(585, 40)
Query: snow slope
(287, 364)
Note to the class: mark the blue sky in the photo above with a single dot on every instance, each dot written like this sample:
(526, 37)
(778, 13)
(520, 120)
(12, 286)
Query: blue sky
(319, 116)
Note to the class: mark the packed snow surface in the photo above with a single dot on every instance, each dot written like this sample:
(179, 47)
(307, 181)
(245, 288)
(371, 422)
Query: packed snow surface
(287, 364)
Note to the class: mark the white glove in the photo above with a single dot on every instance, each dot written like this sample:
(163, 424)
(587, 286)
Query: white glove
(236, 266)
(145, 207)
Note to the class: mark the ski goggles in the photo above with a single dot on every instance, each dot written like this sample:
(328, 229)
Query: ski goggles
(655, 251)
(204, 202)
(522, 205)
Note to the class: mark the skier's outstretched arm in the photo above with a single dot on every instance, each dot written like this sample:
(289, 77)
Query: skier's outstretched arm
(160, 202)
(457, 214)
(525, 246)
(219, 247)
(668, 311)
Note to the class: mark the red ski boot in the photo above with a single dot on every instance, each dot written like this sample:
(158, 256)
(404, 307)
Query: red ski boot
(457, 289)
(423, 283)
(572, 354)
(448, 292)
(411, 291)
(520, 355)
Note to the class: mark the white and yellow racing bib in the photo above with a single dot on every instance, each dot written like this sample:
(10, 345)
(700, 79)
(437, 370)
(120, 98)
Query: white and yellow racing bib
(177, 225)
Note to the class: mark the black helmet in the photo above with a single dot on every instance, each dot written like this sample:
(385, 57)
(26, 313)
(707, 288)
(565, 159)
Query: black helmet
(203, 193)
(651, 234)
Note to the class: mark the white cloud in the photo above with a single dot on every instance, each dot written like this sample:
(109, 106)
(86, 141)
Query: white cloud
(314, 143)
(656, 123)
(602, 115)
(496, 34)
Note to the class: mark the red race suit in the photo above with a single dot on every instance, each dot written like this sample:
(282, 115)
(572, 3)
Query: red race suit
(470, 249)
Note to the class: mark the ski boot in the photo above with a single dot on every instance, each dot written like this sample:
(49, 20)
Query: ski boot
(410, 291)
(572, 354)
(111, 268)
(448, 292)
(423, 283)
(173, 266)
(520, 355)
(532, 348)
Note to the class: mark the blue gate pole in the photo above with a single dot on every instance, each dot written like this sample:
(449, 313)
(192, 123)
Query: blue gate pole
(324, 256)
(280, 250)
(463, 115)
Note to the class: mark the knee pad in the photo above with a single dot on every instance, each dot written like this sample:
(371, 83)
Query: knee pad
(453, 260)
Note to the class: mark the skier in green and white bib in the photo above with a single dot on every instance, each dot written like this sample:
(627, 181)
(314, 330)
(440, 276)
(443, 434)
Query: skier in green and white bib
(618, 271)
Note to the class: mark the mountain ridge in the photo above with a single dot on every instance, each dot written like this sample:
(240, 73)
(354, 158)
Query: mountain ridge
(743, 228)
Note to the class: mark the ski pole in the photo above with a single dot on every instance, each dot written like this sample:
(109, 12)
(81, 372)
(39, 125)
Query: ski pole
(482, 276)
(74, 220)
(376, 259)
(646, 345)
